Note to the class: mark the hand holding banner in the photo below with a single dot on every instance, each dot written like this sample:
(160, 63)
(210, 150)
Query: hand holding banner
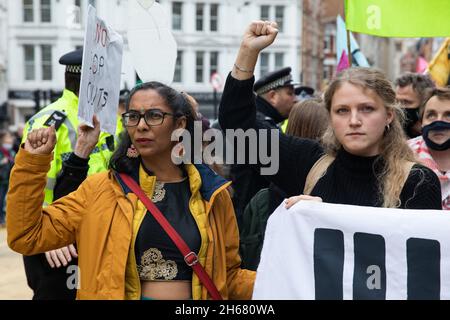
(332, 251)
(100, 76)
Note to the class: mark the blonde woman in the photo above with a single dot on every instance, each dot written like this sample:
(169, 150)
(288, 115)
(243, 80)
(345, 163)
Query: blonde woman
(369, 162)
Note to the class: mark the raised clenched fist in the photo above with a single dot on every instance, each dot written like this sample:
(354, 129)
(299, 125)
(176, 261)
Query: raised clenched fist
(41, 141)
(259, 35)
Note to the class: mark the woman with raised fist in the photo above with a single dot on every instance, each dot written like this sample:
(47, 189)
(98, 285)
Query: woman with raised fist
(124, 250)
(365, 160)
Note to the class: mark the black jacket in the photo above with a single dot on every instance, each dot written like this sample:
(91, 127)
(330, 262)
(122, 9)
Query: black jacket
(254, 222)
(350, 179)
(247, 180)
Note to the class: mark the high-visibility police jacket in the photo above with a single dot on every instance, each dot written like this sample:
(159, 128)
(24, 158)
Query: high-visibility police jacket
(66, 136)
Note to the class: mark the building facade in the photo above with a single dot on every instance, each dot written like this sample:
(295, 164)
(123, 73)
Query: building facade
(312, 43)
(208, 34)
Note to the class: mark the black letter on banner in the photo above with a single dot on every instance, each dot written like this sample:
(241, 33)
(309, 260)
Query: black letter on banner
(369, 277)
(329, 264)
(424, 269)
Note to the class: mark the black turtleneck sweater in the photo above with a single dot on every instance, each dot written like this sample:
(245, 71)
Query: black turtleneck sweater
(349, 179)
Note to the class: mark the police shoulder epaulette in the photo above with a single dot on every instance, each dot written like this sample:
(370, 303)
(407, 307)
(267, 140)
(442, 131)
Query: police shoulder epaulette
(56, 119)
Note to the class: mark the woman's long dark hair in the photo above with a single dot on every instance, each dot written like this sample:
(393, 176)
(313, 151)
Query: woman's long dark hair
(179, 106)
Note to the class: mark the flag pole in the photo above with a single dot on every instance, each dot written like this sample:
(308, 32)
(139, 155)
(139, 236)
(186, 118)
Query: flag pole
(349, 47)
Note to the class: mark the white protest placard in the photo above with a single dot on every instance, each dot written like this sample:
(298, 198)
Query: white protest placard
(333, 252)
(152, 45)
(101, 72)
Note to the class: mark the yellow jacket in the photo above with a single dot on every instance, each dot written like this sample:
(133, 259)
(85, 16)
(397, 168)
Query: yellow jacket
(103, 219)
(66, 140)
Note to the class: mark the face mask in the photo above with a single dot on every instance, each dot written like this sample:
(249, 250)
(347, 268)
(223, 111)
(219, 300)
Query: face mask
(7, 146)
(436, 127)
(412, 116)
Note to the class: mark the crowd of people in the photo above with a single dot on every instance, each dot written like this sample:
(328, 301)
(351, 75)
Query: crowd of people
(138, 226)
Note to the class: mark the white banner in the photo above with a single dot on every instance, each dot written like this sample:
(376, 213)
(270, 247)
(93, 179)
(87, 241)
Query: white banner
(100, 78)
(327, 251)
(152, 45)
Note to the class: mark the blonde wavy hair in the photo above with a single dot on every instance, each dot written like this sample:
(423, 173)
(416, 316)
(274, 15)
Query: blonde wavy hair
(395, 151)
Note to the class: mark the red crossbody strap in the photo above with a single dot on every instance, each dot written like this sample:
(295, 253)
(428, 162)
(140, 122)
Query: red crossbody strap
(190, 257)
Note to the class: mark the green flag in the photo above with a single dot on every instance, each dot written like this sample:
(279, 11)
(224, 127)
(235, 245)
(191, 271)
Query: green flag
(399, 18)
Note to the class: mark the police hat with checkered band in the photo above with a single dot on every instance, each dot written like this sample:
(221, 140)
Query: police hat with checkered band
(274, 80)
(72, 61)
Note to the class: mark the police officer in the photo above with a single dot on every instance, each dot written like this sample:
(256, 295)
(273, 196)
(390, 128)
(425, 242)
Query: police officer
(48, 274)
(275, 97)
(302, 93)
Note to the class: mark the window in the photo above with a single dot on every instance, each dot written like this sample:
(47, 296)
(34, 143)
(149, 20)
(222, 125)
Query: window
(28, 11)
(46, 11)
(77, 12)
(326, 74)
(200, 8)
(178, 77)
(46, 56)
(264, 66)
(265, 13)
(279, 17)
(200, 57)
(214, 16)
(327, 43)
(177, 14)
(213, 62)
(29, 62)
(279, 60)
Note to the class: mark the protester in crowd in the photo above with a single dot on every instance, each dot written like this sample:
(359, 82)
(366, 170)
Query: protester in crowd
(47, 274)
(219, 168)
(303, 93)
(308, 119)
(411, 93)
(433, 147)
(18, 135)
(7, 155)
(196, 107)
(133, 257)
(123, 97)
(275, 97)
(367, 161)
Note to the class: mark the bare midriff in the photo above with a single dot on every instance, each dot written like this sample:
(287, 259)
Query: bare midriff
(167, 290)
